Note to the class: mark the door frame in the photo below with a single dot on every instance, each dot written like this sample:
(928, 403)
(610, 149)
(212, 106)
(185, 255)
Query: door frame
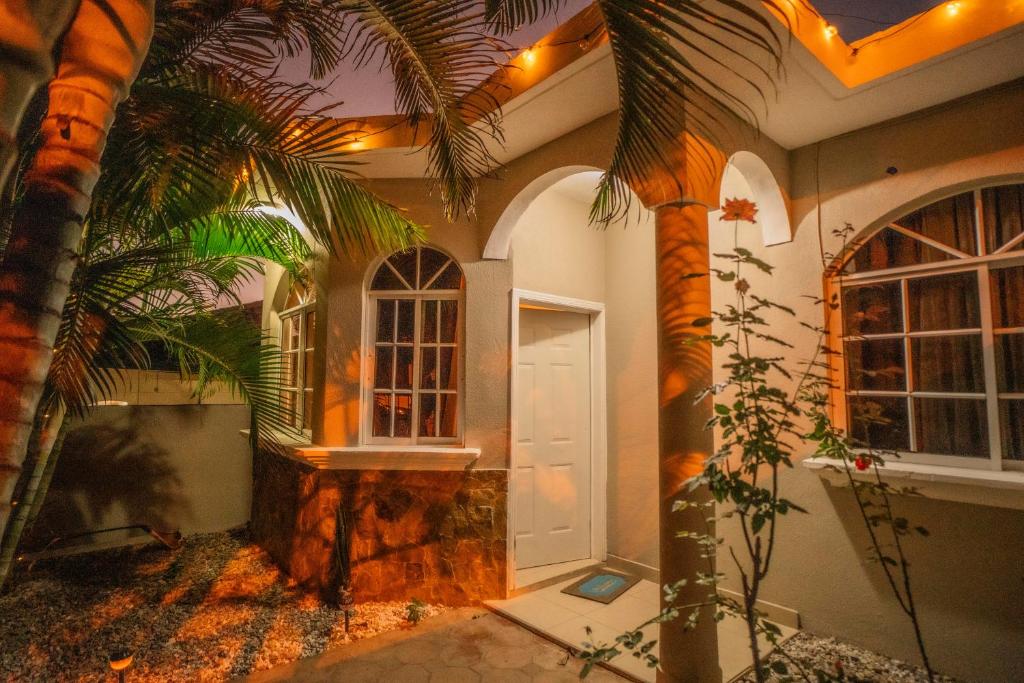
(598, 418)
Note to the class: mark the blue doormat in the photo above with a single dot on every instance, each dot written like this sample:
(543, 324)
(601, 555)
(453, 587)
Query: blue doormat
(601, 586)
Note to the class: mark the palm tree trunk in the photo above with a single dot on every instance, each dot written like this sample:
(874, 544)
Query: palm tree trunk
(30, 29)
(50, 438)
(100, 57)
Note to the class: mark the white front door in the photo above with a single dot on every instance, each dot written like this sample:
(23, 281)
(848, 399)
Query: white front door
(552, 458)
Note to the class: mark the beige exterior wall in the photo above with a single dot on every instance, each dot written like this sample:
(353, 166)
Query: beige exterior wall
(968, 573)
(183, 467)
(488, 284)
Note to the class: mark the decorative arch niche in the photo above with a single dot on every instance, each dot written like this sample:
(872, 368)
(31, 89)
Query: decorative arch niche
(746, 175)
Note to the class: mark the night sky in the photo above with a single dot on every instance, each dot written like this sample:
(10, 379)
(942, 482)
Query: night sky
(367, 91)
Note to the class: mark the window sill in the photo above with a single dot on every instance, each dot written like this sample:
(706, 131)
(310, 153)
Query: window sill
(428, 458)
(995, 488)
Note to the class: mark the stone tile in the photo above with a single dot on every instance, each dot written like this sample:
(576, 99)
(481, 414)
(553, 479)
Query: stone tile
(502, 675)
(416, 652)
(507, 657)
(533, 610)
(455, 675)
(410, 673)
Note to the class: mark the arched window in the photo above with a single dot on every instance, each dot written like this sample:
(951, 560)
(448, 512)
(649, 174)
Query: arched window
(933, 332)
(298, 338)
(415, 316)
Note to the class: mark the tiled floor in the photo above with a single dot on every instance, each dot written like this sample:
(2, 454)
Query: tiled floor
(565, 617)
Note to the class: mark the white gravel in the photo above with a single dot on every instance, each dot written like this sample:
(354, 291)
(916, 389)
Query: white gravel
(855, 663)
(214, 609)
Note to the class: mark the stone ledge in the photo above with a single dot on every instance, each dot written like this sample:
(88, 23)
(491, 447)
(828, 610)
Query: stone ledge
(994, 488)
(401, 458)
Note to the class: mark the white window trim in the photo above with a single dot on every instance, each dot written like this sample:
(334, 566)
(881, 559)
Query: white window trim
(975, 486)
(304, 384)
(981, 265)
(369, 357)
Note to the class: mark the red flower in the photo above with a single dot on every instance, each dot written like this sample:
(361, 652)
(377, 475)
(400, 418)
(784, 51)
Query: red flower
(739, 210)
(862, 462)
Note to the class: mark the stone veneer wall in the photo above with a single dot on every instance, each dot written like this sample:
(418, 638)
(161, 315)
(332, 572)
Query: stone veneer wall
(434, 535)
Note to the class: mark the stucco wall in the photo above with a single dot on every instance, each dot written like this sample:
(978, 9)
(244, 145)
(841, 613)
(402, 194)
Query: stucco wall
(180, 467)
(968, 573)
(486, 354)
(555, 250)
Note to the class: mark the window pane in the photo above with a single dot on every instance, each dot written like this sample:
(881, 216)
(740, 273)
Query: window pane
(291, 369)
(308, 370)
(946, 302)
(406, 320)
(1008, 297)
(891, 249)
(289, 333)
(405, 263)
(952, 426)
(385, 279)
(382, 414)
(1011, 418)
(447, 420)
(448, 375)
(289, 404)
(879, 422)
(431, 261)
(951, 364)
(429, 321)
(310, 330)
(382, 373)
(950, 221)
(386, 320)
(872, 309)
(1010, 362)
(428, 370)
(428, 419)
(1003, 211)
(450, 278)
(403, 367)
(876, 365)
(449, 320)
(403, 415)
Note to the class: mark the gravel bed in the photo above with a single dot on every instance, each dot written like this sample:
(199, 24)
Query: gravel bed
(214, 609)
(845, 662)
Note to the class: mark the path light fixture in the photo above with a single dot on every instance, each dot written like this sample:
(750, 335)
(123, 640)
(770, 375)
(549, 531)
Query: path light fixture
(120, 661)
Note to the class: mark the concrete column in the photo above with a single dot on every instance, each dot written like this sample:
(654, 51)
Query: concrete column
(684, 370)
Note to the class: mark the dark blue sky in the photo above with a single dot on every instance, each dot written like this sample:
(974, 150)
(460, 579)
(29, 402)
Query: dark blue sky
(858, 18)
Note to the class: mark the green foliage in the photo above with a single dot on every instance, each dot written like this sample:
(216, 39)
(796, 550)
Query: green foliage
(415, 611)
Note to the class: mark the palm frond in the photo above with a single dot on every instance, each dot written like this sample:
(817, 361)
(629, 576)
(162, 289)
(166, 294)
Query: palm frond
(438, 51)
(506, 16)
(227, 348)
(657, 46)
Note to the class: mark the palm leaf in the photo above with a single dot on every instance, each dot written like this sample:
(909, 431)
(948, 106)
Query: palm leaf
(656, 45)
(506, 16)
(438, 52)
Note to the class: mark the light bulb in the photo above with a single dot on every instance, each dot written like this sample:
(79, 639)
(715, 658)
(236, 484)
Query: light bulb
(529, 57)
(952, 8)
(830, 31)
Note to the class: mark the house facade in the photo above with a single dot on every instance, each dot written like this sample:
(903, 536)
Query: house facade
(512, 399)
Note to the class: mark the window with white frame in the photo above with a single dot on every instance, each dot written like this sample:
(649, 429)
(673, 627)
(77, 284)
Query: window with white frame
(933, 333)
(298, 341)
(413, 336)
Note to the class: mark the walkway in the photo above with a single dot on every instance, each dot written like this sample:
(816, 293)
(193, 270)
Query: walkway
(467, 644)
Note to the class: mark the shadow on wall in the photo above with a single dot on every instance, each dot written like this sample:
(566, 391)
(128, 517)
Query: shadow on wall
(960, 579)
(110, 474)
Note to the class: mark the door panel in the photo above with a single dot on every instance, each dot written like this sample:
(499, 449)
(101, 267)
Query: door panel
(553, 477)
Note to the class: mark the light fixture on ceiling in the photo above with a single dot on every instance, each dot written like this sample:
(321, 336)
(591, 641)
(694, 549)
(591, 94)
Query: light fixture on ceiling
(952, 8)
(830, 31)
(529, 57)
